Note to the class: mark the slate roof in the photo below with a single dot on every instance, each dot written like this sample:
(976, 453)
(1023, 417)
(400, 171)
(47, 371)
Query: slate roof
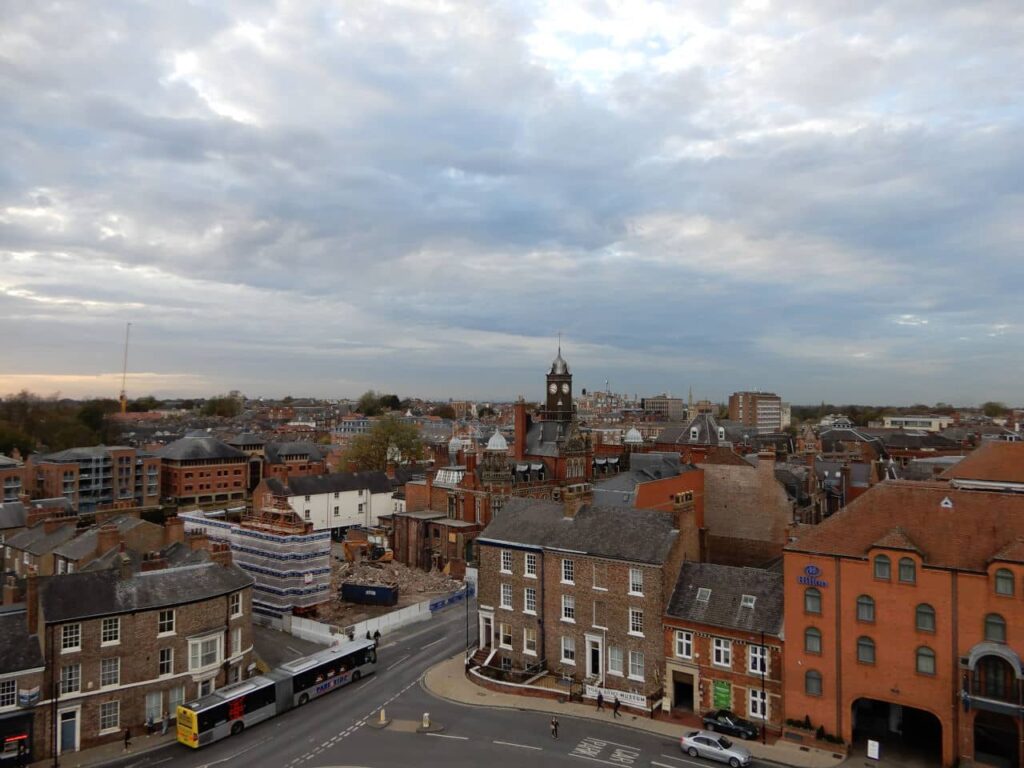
(337, 482)
(87, 453)
(88, 594)
(618, 490)
(724, 608)
(542, 437)
(176, 554)
(707, 432)
(18, 650)
(192, 448)
(635, 535)
(37, 541)
(6, 462)
(993, 462)
(85, 543)
(246, 439)
(12, 514)
(275, 452)
(964, 535)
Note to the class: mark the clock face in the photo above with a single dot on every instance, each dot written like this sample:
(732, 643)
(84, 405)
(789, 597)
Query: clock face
(565, 388)
(552, 388)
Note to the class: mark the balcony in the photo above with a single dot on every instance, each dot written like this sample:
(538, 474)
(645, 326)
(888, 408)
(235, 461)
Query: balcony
(993, 681)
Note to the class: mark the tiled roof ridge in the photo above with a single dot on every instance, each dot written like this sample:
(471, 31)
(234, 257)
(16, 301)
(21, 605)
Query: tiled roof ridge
(1013, 551)
(897, 538)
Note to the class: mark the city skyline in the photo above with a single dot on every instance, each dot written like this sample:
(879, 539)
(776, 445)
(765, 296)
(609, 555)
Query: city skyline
(823, 202)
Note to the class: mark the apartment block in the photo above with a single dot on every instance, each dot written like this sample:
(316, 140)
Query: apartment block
(98, 478)
(759, 410)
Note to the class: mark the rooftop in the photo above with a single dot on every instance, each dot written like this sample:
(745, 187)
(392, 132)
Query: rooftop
(995, 461)
(724, 606)
(18, 650)
(196, 448)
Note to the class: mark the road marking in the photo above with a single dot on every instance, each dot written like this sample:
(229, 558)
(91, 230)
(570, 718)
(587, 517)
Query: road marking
(397, 662)
(521, 746)
(237, 754)
(439, 640)
(596, 760)
(681, 760)
(165, 760)
(446, 736)
(294, 650)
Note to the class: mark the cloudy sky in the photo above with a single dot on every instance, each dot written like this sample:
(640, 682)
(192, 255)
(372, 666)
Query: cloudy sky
(824, 198)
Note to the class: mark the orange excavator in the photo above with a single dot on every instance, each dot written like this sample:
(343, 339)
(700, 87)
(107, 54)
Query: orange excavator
(368, 545)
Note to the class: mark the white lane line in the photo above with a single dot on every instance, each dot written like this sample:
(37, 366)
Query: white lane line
(165, 760)
(682, 760)
(446, 736)
(584, 757)
(237, 754)
(398, 662)
(521, 746)
(293, 650)
(617, 744)
(439, 640)
(661, 765)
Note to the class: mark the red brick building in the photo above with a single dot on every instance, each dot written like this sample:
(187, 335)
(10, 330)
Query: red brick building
(723, 643)
(14, 478)
(202, 470)
(98, 478)
(904, 619)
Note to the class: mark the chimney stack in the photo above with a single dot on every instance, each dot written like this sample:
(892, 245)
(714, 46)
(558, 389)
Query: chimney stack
(51, 524)
(107, 537)
(221, 553)
(153, 561)
(574, 497)
(174, 531)
(124, 564)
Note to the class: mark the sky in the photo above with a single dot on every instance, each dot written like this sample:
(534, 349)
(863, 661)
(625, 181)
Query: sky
(821, 198)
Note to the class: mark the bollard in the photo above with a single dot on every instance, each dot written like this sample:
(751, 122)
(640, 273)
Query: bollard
(383, 719)
(426, 719)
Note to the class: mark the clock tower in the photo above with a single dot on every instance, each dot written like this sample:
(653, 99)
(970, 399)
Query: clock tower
(559, 391)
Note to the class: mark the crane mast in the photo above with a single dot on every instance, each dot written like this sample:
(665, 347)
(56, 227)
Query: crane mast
(124, 370)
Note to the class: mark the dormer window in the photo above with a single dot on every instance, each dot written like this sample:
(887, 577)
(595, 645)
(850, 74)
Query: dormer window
(694, 433)
(721, 433)
(703, 594)
(747, 601)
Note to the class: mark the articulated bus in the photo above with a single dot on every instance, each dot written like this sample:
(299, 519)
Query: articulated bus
(233, 708)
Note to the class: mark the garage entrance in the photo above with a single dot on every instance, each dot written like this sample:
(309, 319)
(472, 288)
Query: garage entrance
(995, 740)
(906, 735)
(682, 691)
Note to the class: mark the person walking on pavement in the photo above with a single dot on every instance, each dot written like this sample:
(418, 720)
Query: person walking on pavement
(600, 701)
(615, 707)
(127, 739)
(163, 725)
(554, 727)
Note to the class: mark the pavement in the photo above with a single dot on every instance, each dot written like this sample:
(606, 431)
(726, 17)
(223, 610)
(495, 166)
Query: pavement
(107, 753)
(448, 680)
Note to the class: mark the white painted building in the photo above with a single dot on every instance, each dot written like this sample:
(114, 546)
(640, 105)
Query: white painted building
(337, 501)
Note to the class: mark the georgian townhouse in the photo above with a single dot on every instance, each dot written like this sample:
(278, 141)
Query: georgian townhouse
(21, 676)
(723, 643)
(122, 645)
(579, 591)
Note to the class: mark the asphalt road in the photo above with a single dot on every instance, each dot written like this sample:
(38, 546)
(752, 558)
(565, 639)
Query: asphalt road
(335, 730)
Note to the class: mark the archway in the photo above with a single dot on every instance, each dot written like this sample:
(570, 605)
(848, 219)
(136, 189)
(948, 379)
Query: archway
(996, 740)
(906, 735)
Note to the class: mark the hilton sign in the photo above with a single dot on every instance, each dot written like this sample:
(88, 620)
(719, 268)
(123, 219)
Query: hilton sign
(810, 577)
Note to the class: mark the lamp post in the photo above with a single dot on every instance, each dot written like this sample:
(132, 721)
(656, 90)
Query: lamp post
(764, 697)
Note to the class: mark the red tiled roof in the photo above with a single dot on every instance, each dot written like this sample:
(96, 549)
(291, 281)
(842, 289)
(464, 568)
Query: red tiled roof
(1012, 552)
(896, 539)
(993, 461)
(965, 534)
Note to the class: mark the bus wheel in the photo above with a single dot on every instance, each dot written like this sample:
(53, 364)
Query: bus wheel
(237, 727)
(303, 699)
(356, 676)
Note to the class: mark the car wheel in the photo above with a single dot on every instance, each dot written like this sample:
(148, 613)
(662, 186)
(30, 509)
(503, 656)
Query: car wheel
(711, 726)
(237, 727)
(691, 752)
(304, 699)
(734, 763)
(356, 676)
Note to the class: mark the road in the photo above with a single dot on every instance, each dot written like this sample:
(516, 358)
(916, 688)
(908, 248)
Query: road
(335, 730)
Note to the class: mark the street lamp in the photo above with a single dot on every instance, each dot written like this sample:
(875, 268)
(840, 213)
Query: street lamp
(764, 697)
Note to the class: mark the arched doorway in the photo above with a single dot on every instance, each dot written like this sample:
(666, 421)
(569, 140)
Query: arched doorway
(996, 740)
(906, 735)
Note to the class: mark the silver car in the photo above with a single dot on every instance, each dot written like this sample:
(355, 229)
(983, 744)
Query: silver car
(714, 746)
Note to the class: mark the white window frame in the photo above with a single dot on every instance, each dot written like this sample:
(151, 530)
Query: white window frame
(684, 644)
(633, 656)
(503, 630)
(199, 642)
(236, 641)
(77, 677)
(528, 633)
(70, 638)
(721, 652)
(112, 681)
(757, 653)
(615, 660)
(110, 636)
(506, 597)
(506, 561)
(170, 661)
(160, 621)
(104, 711)
(530, 601)
(569, 609)
(757, 704)
(568, 649)
(8, 693)
(530, 565)
(636, 578)
(237, 605)
(636, 619)
(568, 571)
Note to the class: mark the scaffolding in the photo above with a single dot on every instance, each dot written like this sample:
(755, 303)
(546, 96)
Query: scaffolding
(290, 563)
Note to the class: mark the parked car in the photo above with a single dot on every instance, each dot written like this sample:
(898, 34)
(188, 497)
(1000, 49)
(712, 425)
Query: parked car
(714, 747)
(726, 721)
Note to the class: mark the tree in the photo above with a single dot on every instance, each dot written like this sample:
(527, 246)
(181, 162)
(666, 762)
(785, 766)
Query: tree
(389, 438)
(144, 404)
(11, 438)
(443, 411)
(368, 403)
(486, 412)
(993, 409)
(225, 405)
(389, 402)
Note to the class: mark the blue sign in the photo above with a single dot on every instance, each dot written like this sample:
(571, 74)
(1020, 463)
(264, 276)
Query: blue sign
(812, 570)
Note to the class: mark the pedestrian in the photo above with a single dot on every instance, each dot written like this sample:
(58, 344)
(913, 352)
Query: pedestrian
(127, 739)
(164, 723)
(554, 727)
(600, 701)
(150, 726)
(376, 635)
(615, 707)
